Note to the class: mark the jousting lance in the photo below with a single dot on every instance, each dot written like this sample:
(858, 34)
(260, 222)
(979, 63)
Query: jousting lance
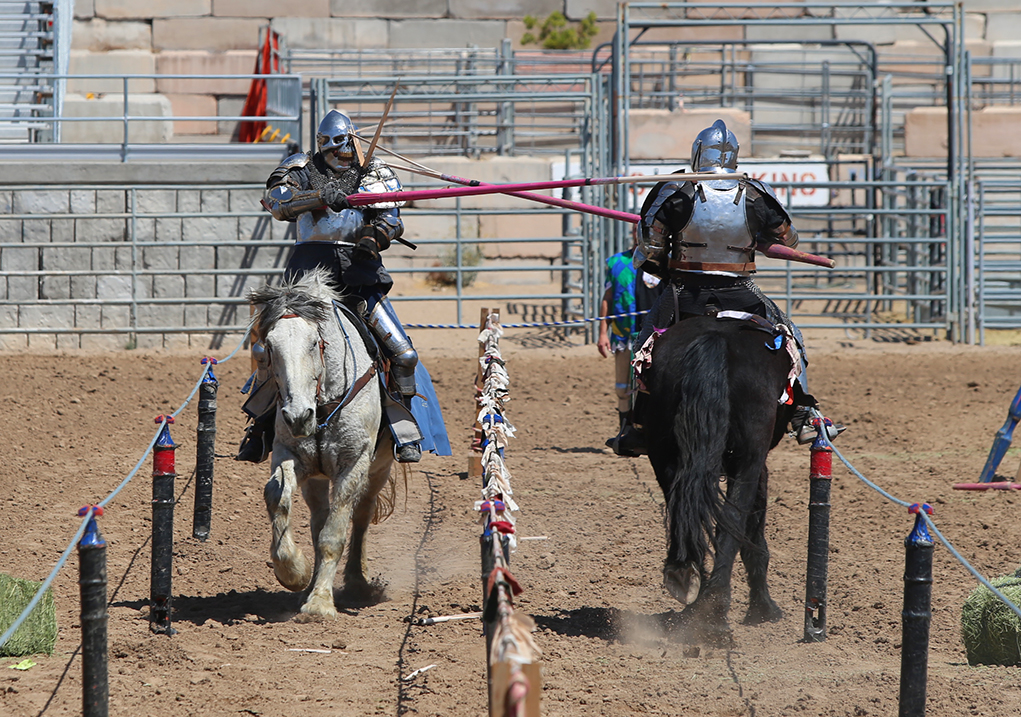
(521, 190)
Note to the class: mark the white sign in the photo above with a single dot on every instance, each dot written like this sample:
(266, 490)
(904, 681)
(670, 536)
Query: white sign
(772, 173)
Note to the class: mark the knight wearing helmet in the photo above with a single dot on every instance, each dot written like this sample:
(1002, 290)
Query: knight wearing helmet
(701, 237)
(311, 189)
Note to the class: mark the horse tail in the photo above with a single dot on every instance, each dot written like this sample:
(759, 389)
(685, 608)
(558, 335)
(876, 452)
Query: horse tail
(700, 429)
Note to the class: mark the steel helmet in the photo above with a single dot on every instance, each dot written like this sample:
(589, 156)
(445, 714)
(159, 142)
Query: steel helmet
(335, 139)
(715, 149)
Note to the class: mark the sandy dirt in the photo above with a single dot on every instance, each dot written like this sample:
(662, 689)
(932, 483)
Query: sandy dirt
(920, 418)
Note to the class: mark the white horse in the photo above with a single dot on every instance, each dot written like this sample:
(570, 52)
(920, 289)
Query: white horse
(328, 440)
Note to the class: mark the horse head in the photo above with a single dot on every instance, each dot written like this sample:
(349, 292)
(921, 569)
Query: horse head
(289, 323)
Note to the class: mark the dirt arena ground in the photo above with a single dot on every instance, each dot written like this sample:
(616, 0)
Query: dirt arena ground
(920, 416)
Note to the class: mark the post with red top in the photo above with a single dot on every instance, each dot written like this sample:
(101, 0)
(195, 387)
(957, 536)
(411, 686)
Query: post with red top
(92, 588)
(205, 445)
(917, 615)
(163, 475)
(817, 570)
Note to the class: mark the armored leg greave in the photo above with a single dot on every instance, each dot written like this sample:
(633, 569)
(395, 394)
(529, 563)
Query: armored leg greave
(403, 357)
(261, 407)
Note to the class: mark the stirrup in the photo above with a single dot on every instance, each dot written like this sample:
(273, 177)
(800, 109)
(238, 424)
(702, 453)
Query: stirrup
(408, 453)
(253, 448)
(629, 443)
(808, 431)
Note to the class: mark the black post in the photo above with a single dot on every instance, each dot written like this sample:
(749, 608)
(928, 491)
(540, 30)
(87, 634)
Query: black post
(817, 569)
(917, 615)
(205, 445)
(160, 589)
(92, 586)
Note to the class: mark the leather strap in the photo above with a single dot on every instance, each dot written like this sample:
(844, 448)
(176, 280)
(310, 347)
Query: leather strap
(679, 265)
(324, 411)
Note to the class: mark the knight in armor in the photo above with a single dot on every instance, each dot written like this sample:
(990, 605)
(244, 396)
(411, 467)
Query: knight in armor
(701, 238)
(311, 189)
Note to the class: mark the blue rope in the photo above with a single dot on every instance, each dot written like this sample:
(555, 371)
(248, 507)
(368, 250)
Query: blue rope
(538, 324)
(929, 522)
(81, 528)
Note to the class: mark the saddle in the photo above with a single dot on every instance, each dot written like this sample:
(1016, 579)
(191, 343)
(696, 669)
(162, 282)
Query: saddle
(780, 335)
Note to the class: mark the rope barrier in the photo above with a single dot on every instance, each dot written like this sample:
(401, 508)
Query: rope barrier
(929, 522)
(103, 503)
(514, 679)
(533, 325)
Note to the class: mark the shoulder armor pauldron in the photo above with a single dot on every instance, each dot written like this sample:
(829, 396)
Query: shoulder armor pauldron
(295, 161)
(379, 177)
(770, 194)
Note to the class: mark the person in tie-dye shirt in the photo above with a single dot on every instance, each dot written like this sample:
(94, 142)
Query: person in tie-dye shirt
(627, 290)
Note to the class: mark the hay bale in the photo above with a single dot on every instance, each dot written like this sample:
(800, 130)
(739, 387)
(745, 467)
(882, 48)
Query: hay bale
(991, 630)
(39, 631)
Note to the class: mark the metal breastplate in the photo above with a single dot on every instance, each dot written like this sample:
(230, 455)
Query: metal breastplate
(716, 237)
(327, 225)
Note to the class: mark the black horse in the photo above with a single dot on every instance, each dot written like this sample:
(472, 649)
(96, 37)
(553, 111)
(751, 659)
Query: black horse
(713, 414)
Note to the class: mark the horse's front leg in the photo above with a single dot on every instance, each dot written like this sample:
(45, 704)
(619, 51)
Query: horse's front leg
(346, 487)
(289, 564)
(317, 495)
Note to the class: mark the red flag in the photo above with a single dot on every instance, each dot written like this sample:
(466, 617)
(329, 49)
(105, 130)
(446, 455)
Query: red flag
(266, 62)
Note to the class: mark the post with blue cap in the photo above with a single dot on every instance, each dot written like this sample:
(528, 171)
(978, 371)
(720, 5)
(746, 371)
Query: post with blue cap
(160, 583)
(92, 587)
(817, 567)
(205, 445)
(917, 615)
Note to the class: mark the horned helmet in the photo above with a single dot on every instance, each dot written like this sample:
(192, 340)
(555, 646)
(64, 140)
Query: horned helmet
(714, 149)
(336, 142)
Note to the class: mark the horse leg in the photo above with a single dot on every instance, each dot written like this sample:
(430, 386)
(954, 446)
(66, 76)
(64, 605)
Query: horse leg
(355, 582)
(755, 556)
(289, 564)
(347, 487)
(713, 602)
(317, 497)
(682, 571)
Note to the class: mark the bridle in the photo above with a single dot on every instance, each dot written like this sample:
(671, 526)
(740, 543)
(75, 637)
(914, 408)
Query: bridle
(327, 410)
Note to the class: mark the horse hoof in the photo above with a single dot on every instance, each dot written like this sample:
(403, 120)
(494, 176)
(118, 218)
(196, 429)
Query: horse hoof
(758, 614)
(316, 611)
(294, 578)
(682, 582)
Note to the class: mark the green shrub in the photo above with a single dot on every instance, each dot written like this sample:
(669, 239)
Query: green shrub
(555, 34)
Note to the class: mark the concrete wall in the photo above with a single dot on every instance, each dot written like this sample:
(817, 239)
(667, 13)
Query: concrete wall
(994, 132)
(205, 37)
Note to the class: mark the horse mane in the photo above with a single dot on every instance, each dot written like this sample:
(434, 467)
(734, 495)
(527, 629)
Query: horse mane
(309, 296)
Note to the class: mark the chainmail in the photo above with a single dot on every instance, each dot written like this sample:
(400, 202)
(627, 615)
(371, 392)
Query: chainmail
(348, 180)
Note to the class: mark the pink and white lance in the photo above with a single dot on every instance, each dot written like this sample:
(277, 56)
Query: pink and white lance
(521, 190)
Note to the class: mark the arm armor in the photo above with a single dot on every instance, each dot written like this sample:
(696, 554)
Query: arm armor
(286, 196)
(286, 204)
(386, 227)
(651, 252)
(785, 234)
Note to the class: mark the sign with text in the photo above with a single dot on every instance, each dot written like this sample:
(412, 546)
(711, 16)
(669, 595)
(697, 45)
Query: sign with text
(773, 173)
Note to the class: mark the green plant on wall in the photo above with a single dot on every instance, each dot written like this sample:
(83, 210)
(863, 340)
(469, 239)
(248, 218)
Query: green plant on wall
(555, 34)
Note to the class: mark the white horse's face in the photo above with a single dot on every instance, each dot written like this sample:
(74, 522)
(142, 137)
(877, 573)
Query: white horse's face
(294, 350)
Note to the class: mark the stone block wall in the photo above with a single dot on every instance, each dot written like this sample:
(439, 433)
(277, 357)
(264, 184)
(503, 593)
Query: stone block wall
(186, 242)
